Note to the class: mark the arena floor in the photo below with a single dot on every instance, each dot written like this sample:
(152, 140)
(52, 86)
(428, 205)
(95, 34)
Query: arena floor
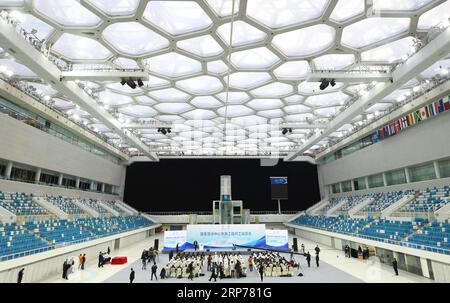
(334, 268)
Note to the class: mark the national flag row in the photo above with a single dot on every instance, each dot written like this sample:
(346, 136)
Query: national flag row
(413, 118)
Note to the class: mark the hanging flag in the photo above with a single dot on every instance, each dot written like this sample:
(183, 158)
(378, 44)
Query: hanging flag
(447, 103)
(397, 126)
(424, 112)
(441, 106)
(417, 116)
(381, 133)
(410, 119)
(405, 121)
(431, 110)
(436, 107)
(375, 137)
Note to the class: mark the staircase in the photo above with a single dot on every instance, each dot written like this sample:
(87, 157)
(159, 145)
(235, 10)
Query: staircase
(126, 208)
(313, 210)
(6, 216)
(51, 208)
(332, 210)
(108, 208)
(397, 205)
(92, 212)
(443, 213)
(354, 210)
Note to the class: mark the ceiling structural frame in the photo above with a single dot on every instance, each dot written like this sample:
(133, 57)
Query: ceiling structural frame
(38, 63)
(277, 63)
(424, 58)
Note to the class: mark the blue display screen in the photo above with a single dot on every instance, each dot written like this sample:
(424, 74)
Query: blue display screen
(278, 180)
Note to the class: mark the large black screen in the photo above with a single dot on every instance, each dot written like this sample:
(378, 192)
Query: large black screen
(192, 185)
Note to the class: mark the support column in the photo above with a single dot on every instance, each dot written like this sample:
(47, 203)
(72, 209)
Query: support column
(340, 187)
(60, 179)
(436, 169)
(407, 175)
(92, 186)
(353, 184)
(8, 170)
(103, 187)
(37, 177)
(366, 179)
(384, 180)
(77, 183)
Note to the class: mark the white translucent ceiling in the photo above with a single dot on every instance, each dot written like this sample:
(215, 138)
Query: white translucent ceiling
(281, 13)
(177, 17)
(133, 38)
(185, 46)
(305, 41)
(68, 13)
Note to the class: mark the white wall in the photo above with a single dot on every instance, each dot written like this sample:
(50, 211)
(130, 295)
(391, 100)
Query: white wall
(425, 142)
(25, 144)
(36, 189)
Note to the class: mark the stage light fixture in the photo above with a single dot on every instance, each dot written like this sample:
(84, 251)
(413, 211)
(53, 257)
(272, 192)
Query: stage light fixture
(140, 83)
(123, 81)
(324, 84)
(290, 130)
(284, 131)
(169, 130)
(131, 84)
(163, 131)
(332, 82)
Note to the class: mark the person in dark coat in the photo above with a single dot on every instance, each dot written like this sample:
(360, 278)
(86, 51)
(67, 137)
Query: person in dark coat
(177, 248)
(308, 259)
(395, 266)
(144, 259)
(213, 273)
(261, 271)
(170, 255)
(20, 275)
(195, 245)
(108, 251)
(191, 271)
(317, 249)
(100, 259)
(154, 269)
(162, 274)
(317, 260)
(132, 276)
(66, 266)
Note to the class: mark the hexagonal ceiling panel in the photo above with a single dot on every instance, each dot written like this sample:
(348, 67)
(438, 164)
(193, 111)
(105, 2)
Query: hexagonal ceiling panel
(133, 38)
(184, 47)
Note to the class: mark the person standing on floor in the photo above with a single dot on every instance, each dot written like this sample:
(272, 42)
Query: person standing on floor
(213, 272)
(395, 266)
(144, 259)
(209, 260)
(108, 251)
(308, 259)
(303, 248)
(261, 271)
(20, 275)
(80, 261)
(317, 249)
(100, 259)
(132, 275)
(170, 255)
(154, 269)
(250, 263)
(84, 261)
(317, 260)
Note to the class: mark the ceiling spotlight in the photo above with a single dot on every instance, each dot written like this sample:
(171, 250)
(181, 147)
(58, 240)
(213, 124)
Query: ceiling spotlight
(324, 84)
(290, 130)
(333, 82)
(123, 81)
(284, 131)
(169, 130)
(163, 131)
(140, 83)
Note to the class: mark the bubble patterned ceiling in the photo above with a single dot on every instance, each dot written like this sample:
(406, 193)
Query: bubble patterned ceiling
(222, 96)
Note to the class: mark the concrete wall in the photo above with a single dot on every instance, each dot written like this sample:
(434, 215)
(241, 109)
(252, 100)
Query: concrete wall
(422, 143)
(36, 189)
(41, 266)
(25, 144)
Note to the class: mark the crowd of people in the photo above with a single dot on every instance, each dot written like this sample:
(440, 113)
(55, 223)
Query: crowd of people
(272, 264)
